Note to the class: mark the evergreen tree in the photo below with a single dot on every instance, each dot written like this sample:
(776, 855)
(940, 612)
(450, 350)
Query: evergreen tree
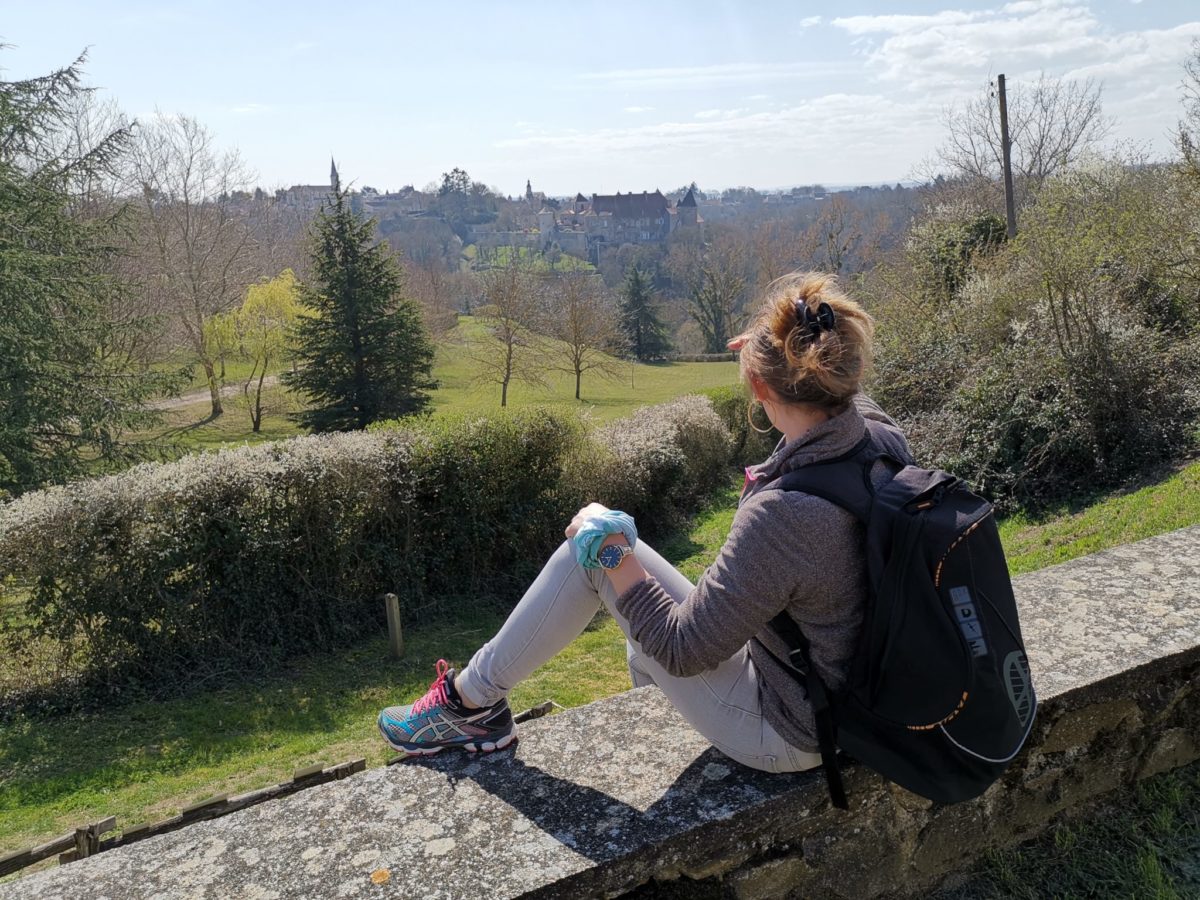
(644, 330)
(67, 400)
(363, 352)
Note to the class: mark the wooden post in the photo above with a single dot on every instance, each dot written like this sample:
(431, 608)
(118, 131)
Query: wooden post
(83, 846)
(1006, 152)
(395, 634)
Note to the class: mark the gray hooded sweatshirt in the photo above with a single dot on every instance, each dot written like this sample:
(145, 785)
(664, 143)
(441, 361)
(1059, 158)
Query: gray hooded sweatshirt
(785, 550)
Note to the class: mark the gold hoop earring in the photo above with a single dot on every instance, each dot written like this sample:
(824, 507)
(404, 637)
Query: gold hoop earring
(750, 417)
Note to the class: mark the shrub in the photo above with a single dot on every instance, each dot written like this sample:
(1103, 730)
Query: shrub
(1032, 427)
(1058, 363)
(748, 445)
(235, 560)
(240, 558)
(657, 464)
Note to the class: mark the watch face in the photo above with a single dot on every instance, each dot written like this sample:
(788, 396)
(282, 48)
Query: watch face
(610, 557)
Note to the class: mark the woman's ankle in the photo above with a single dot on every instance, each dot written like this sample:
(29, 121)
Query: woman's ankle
(463, 698)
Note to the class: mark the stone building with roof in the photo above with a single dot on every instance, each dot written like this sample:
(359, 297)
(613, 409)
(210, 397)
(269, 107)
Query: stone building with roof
(309, 197)
(591, 228)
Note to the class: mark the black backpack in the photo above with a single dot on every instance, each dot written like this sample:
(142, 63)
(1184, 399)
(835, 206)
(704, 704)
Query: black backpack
(939, 697)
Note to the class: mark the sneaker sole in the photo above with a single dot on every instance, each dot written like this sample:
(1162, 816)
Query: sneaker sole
(472, 747)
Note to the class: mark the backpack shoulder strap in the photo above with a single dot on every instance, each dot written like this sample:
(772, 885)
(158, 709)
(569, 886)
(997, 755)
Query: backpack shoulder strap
(799, 666)
(844, 481)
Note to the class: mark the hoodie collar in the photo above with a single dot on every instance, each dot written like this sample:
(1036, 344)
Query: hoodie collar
(830, 439)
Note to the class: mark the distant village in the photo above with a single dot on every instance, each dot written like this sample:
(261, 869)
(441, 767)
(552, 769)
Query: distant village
(586, 227)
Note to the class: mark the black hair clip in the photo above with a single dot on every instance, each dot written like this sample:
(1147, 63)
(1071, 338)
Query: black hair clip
(823, 319)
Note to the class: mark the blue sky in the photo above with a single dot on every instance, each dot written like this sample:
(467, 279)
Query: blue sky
(600, 96)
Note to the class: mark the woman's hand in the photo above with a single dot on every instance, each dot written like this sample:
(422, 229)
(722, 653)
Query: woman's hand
(592, 509)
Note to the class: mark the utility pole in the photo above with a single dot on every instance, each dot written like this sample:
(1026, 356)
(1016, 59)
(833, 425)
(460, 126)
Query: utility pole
(1009, 207)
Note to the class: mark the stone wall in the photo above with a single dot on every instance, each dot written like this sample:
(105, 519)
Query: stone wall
(622, 797)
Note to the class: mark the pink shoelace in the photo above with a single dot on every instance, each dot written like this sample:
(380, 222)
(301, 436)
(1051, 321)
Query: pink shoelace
(437, 691)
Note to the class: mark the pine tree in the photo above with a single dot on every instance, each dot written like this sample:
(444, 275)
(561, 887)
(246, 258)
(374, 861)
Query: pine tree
(644, 330)
(68, 397)
(363, 352)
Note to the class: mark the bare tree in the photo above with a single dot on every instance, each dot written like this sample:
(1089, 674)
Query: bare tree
(586, 320)
(100, 193)
(777, 248)
(713, 273)
(437, 290)
(1052, 123)
(512, 311)
(200, 247)
(835, 236)
(88, 122)
(1188, 135)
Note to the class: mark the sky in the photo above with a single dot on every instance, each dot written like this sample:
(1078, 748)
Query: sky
(600, 96)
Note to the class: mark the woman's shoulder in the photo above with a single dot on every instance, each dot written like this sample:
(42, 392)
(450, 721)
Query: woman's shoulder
(886, 431)
(774, 507)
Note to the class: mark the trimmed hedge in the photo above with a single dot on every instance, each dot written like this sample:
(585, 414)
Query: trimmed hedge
(238, 559)
(732, 404)
(657, 464)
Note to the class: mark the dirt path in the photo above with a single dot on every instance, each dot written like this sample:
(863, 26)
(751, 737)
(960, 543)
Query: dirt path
(204, 395)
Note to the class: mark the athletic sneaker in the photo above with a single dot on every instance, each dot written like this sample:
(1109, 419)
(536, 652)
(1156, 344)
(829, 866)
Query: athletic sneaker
(440, 719)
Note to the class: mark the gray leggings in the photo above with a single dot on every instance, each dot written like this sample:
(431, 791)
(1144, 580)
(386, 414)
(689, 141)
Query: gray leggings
(723, 704)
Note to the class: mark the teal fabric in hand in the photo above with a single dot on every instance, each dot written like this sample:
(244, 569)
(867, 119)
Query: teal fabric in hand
(592, 533)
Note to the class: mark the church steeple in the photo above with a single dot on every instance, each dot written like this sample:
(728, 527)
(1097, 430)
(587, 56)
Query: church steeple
(334, 182)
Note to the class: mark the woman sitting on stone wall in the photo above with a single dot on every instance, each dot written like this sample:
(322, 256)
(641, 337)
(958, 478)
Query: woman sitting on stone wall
(708, 646)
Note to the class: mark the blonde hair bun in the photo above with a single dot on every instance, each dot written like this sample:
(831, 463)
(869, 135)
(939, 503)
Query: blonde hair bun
(810, 343)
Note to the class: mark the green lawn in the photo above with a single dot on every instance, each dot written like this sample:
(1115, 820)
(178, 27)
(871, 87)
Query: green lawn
(237, 370)
(1139, 842)
(192, 427)
(635, 384)
(1128, 516)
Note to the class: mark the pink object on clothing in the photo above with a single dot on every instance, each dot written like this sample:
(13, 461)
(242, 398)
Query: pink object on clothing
(751, 476)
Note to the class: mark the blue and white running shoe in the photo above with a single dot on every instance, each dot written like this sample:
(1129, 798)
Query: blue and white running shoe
(440, 719)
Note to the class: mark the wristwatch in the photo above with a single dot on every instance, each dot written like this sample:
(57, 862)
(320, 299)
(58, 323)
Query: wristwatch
(610, 557)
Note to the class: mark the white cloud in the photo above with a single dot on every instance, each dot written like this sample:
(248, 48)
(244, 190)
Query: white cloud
(810, 22)
(831, 135)
(639, 109)
(901, 24)
(710, 76)
(952, 50)
(251, 109)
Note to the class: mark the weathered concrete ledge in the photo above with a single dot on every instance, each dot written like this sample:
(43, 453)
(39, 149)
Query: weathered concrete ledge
(620, 795)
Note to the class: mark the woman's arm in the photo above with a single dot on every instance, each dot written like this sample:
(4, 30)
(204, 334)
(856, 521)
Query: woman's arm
(753, 578)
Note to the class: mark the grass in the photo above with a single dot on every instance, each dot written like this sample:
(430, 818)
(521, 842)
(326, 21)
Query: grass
(1143, 842)
(1128, 516)
(634, 385)
(237, 370)
(192, 428)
